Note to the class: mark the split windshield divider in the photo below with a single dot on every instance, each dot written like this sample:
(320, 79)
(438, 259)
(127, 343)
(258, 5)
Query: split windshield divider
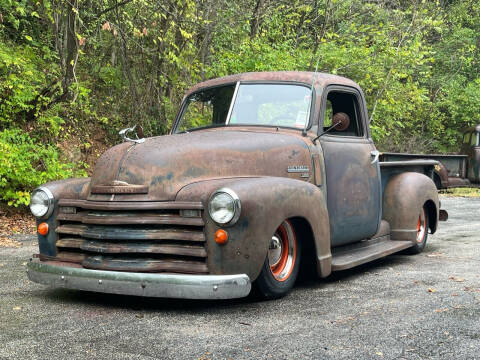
(234, 97)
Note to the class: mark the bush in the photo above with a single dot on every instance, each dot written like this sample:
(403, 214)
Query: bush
(26, 163)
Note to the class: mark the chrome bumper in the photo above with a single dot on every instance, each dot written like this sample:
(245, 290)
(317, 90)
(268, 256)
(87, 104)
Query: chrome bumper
(140, 284)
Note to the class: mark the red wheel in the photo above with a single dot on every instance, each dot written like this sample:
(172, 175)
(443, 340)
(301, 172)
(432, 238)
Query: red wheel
(282, 263)
(422, 233)
(421, 223)
(282, 252)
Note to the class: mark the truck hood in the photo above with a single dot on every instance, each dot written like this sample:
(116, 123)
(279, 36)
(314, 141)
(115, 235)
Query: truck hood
(158, 168)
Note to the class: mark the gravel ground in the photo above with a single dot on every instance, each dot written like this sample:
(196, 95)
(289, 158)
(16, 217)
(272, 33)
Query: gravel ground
(403, 307)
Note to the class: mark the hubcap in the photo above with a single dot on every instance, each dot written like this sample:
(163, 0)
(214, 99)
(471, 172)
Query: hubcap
(274, 251)
(282, 252)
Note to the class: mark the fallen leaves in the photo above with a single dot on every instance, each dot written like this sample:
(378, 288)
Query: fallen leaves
(10, 243)
(436, 254)
(14, 223)
(457, 279)
(343, 320)
(431, 290)
(471, 289)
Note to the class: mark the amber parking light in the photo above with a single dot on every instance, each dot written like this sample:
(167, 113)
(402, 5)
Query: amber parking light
(221, 237)
(42, 228)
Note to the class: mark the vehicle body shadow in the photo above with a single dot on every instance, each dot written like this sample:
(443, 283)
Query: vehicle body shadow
(307, 280)
(310, 280)
(136, 303)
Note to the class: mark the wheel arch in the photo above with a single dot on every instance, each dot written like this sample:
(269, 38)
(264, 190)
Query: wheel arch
(432, 214)
(266, 202)
(304, 233)
(404, 196)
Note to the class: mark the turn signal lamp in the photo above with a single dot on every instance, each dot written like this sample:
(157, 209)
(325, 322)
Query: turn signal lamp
(42, 228)
(221, 237)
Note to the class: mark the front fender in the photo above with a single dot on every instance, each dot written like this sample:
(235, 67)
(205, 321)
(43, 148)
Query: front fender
(266, 202)
(74, 188)
(404, 196)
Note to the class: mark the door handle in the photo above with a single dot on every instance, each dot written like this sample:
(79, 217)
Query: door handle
(376, 154)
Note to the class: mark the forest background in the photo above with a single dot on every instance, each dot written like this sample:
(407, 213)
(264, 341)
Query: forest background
(74, 72)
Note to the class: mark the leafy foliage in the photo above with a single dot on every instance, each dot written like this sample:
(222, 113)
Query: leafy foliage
(77, 71)
(27, 164)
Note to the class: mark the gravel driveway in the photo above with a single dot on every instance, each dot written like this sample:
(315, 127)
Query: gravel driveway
(403, 307)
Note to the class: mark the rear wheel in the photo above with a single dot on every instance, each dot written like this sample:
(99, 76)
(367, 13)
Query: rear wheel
(422, 233)
(282, 263)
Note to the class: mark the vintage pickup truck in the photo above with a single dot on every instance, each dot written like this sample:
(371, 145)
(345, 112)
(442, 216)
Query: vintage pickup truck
(452, 170)
(262, 173)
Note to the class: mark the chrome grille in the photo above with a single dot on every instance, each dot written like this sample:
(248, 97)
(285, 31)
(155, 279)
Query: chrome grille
(131, 236)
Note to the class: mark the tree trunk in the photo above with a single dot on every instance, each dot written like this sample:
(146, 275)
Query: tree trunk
(72, 46)
(255, 19)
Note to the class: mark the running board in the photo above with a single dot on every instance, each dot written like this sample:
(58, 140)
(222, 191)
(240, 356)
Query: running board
(348, 256)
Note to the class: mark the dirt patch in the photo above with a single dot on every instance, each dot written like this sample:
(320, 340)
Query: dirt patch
(86, 150)
(12, 223)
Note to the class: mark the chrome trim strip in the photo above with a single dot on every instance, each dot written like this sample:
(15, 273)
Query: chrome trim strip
(140, 284)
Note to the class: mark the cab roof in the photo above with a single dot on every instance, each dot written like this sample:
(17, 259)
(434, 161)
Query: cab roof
(321, 79)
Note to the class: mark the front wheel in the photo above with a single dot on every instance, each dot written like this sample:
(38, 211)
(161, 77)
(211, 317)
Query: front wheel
(282, 263)
(422, 233)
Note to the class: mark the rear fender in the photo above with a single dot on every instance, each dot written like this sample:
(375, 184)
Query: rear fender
(265, 203)
(404, 196)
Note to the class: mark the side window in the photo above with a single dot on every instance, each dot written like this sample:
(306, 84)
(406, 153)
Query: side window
(327, 120)
(343, 105)
(474, 140)
(466, 138)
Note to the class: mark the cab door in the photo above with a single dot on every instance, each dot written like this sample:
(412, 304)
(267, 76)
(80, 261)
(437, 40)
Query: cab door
(351, 166)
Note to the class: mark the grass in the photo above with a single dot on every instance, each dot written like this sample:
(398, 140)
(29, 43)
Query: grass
(461, 192)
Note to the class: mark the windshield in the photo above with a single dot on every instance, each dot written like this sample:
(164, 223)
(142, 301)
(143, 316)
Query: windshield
(255, 104)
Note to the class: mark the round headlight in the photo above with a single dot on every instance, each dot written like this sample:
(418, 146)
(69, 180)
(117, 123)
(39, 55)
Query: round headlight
(41, 202)
(224, 206)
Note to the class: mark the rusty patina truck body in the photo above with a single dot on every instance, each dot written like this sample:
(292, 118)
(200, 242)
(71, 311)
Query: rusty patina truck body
(262, 173)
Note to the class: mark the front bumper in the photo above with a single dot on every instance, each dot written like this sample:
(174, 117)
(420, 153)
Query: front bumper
(140, 284)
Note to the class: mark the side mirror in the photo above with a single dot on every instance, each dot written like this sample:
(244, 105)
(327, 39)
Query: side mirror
(341, 121)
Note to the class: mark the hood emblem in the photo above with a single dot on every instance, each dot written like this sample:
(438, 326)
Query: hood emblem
(139, 132)
(298, 169)
(119, 187)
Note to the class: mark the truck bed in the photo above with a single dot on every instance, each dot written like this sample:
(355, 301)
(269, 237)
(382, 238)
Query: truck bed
(455, 167)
